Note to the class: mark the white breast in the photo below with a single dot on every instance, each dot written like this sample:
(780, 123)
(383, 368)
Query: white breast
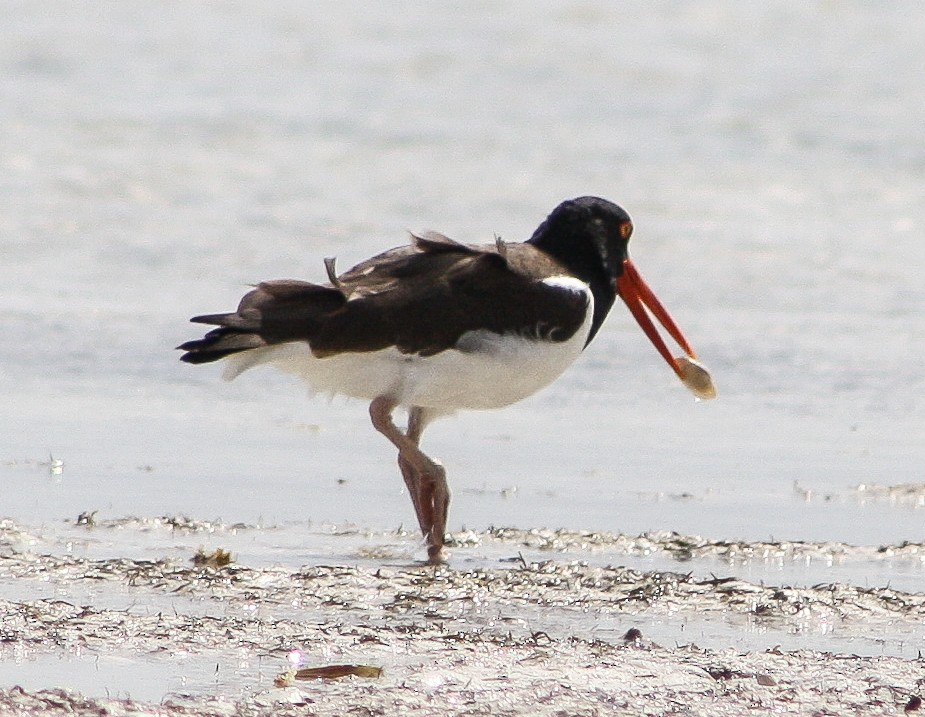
(495, 370)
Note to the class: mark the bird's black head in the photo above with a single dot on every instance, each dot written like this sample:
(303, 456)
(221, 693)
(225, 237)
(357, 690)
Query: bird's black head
(589, 236)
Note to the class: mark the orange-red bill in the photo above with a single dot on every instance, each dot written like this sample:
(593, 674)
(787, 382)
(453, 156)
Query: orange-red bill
(641, 301)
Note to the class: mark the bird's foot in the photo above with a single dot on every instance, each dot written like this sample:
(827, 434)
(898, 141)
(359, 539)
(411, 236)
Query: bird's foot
(435, 554)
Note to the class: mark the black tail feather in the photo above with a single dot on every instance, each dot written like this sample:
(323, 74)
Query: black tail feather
(274, 312)
(218, 344)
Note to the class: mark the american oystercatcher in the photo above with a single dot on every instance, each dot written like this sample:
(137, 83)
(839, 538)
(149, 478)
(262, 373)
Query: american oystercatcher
(437, 326)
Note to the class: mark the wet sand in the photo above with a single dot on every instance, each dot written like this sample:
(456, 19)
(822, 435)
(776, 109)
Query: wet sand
(571, 633)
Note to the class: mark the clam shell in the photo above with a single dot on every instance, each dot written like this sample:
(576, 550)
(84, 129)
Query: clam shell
(695, 376)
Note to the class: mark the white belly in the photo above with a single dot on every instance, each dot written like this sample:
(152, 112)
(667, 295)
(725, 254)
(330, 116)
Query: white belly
(496, 370)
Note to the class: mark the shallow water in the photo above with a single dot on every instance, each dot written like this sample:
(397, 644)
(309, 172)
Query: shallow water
(156, 159)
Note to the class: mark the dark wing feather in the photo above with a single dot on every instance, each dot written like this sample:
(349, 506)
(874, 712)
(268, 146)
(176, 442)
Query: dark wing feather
(419, 298)
(274, 312)
(422, 299)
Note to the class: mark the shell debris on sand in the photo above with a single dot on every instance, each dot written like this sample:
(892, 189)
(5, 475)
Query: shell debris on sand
(570, 640)
(327, 672)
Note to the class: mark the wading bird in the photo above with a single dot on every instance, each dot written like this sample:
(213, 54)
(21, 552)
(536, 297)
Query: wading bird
(437, 326)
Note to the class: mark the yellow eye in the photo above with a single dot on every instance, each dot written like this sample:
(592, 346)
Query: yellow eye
(626, 230)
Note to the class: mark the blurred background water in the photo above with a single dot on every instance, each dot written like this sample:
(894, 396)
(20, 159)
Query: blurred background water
(155, 158)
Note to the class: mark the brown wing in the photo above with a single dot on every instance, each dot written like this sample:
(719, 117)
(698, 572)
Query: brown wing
(274, 312)
(419, 298)
(422, 299)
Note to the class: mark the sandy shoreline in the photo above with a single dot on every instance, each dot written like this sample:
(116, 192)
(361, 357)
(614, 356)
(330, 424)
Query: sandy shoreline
(525, 637)
(552, 678)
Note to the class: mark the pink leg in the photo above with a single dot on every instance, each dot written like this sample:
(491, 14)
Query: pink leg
(425, 479)
(433, 488)
(413, 478)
